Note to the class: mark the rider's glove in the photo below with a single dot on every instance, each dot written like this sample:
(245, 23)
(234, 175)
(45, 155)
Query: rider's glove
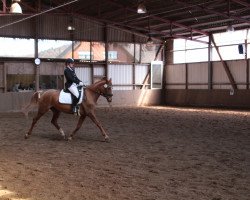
(80, 83)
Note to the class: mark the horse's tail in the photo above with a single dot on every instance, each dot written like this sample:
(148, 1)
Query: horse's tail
(33, 102)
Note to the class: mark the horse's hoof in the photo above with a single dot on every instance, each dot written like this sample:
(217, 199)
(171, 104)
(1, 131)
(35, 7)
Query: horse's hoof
(26, 136)
(69, 138)
(64, 137)
(106, 139)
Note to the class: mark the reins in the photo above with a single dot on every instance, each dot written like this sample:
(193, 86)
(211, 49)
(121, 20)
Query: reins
(104, 94)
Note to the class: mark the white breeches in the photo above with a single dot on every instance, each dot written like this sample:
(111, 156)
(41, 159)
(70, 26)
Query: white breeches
(73, 89)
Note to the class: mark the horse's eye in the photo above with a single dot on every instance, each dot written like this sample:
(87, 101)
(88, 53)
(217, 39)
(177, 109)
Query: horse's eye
(105, 85)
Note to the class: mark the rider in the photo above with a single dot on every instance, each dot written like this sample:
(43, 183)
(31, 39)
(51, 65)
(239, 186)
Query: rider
(72, 81)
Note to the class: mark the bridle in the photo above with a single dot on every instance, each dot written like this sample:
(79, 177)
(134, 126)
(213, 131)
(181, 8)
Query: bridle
(106, 95)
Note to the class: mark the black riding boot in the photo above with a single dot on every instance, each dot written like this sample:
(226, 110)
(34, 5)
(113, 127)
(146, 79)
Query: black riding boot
(74, 104)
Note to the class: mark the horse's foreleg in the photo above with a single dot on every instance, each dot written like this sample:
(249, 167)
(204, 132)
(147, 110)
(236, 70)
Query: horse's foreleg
(79, 124)
(98, 124)
(35, 119)
(54, 119)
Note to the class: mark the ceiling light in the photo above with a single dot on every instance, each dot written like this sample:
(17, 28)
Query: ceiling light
(15, 7)
(141, 9)
(150, 40)
(70, 28)
(230, 28)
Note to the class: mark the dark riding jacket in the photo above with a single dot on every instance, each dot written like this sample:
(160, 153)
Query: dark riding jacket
(71, 77)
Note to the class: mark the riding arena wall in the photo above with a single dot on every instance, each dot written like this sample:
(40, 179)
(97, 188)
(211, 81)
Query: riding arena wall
(185, 84)
(207, 84)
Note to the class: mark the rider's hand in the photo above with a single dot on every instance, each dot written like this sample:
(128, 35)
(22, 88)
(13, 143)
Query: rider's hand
(80, 83)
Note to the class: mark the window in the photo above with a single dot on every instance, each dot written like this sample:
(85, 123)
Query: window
(20, 82)
(82, 51)
(51, 82)
(16, 47)
(54, 49)
(112, 55)
(85, 55)
(121, 52)
(186, 51)
(137, 53)
(148, 53)
(98, 51)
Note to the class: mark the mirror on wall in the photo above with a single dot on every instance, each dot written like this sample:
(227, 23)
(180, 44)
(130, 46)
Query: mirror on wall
(156, 74)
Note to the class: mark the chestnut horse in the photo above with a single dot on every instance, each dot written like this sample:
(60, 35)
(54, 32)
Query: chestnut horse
(49, 100)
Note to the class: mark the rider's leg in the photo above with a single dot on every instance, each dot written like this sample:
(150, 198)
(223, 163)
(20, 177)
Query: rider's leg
(75, 94)
(74, 104)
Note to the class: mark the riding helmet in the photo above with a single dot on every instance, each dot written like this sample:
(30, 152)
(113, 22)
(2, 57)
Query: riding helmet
(69, 60)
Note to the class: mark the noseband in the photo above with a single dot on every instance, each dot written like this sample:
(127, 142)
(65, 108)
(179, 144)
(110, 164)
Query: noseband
(104, 94)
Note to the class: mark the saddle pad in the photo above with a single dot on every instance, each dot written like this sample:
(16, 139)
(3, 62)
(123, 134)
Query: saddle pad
(65, 98)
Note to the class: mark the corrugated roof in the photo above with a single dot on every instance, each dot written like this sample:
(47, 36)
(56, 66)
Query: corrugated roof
(163, 20)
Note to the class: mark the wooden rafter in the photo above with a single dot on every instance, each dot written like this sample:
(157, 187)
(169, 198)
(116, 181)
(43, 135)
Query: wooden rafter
(162, 20)
(209, 10)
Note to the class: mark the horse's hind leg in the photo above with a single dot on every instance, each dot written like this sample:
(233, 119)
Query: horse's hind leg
(54, 119)
(79, 124)
(35, 119)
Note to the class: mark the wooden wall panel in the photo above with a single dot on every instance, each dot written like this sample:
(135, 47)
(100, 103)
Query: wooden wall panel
(208, 98)
(198, 76)
(238, 70)
(14, 101)
(248, 65)
(1, 75)
(220, 79)
(2, 84)
(20, 68)
(198, 86)
(52, 68)
(46, 68)
(175, 76)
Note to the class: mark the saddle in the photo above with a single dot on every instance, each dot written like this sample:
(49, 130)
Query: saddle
(65, 97)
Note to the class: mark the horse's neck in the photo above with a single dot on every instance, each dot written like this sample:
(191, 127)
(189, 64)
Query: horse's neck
(97, 85)
(94, 88)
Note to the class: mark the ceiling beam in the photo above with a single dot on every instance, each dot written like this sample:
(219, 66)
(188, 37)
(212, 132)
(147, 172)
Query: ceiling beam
(135, 17)
(31, 8)
(243, 3)
(37, 14)
(112, 13)
(207, 9)
(90, 4)
(161, 19)
(4, 6)
(114, 25)
(220, 23)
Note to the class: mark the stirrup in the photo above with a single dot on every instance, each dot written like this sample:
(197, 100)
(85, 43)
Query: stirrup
(78, 112)
(74, 109)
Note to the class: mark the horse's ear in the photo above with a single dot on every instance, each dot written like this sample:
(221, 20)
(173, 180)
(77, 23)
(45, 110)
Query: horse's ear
(104, 78)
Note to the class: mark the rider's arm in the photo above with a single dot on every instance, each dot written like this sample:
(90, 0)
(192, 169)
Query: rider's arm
(71, 76)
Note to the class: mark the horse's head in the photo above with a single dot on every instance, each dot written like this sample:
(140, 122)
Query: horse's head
(106, 89)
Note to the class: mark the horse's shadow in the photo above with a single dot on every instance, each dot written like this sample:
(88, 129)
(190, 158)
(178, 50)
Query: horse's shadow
(58, 138)
(52, 137)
